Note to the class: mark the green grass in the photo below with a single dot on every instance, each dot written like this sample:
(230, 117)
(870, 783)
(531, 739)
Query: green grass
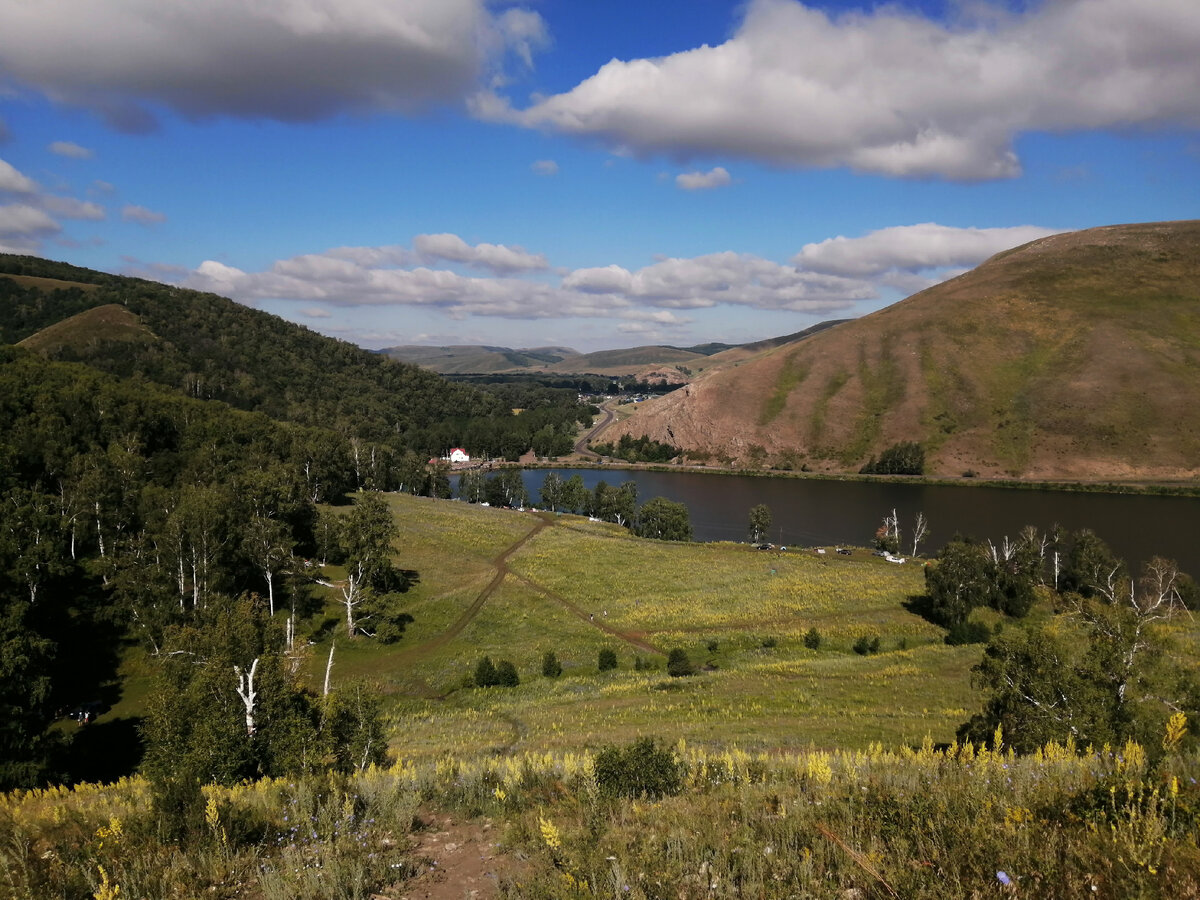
(576, 587)
(790, 375)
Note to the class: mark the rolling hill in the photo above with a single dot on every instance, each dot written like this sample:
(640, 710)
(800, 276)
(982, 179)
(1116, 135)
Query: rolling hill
(214, 349)
(1076, 356)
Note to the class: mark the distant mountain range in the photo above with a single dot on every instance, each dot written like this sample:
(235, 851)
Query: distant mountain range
(1076, 356)
(679, 363)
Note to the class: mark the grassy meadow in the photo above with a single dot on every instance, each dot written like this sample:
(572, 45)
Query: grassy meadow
(577, 587)
(795, 772)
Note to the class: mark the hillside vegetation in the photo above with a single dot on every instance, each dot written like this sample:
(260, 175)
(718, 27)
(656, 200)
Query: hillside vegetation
(1073, 357)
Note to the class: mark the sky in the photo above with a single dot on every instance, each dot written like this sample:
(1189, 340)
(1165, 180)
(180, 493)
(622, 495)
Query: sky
(589, 175)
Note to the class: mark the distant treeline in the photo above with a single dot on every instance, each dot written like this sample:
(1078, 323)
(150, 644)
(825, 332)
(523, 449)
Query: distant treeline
(582, 384)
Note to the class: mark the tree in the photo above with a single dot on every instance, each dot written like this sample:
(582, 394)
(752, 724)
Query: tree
(665, 520)
(615, 504)
(551, 667)
(367, 535)
(920, 530)
(607, 660)
(575, 496)
(678, 664)
(812, 639)
(507, 488)
(552, 491)
(485, 673)
(1090, 564)
(506, 674)
(760, 522)
(1102, 673)
(471, 486)
(887, 535)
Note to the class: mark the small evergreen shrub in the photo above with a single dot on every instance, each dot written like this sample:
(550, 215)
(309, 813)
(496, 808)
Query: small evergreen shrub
(485, 673)
(678, 664)
(641, 769)
(607, 660)
(506, 674)
(551, 667)
(866, 645)
(812, 639)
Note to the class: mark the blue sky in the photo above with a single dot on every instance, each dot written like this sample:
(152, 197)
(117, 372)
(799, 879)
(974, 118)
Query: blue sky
(583, 174)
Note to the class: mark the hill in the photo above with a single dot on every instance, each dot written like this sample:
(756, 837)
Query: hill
(214, 349)
(1072, 357)
(472, 360)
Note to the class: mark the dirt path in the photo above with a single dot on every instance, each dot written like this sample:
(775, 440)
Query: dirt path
(500, 563)
(633, 638)
(457, 860)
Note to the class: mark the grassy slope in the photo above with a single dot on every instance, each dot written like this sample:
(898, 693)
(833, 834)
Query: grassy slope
(1076, 356)
(657, 596)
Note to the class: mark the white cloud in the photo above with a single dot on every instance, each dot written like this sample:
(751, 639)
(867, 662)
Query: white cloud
(141, 215)
(24, 221)
(827, 278)
(13, 182)
(70, 150)
(888, 91)
(495, 257)
(545, 167)
(290, 60)
(703, 181)
(70, 208)
(911, 248)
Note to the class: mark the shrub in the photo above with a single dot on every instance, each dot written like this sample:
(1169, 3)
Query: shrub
(770, 643)
(641, 664)
(641, 769)
(506, 674)
(607, 660)
(866, 645)
(968, 632)
(812, 639)
(551, 667)
(678, 664)
(907, 458)
(485, 673)
(712, 645)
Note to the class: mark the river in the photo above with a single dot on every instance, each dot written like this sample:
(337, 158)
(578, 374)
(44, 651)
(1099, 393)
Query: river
(809, 512)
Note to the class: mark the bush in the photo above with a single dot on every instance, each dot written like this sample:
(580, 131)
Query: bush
(812, 639)
(866, 645)
(641, 664)
(485, 673)
(641, 769)
(770, 643)
(712, 645)
(506, 674)
(607, 660)
(906, 458)
(678, 664)
(551, 667)
(968, 633)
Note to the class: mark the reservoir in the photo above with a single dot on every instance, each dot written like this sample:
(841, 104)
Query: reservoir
(818, 512)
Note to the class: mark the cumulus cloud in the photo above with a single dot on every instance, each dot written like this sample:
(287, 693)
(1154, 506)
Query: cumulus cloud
(912, 248)
(290, 60)
(70, 150)
(823, 279)
(888, 91)
(703, 181)
(13, 182)
(141, 215)
(20, 220)
(545, 167)
(493, 257)
(70, 208)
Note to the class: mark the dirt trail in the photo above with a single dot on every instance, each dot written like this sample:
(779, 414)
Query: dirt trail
(457, 860)
(634, 638)
(500, 563)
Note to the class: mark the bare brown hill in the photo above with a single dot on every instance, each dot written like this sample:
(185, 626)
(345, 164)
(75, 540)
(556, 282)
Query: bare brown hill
(1073, 357)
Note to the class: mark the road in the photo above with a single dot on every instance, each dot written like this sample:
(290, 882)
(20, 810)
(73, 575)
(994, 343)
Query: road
(608, 417)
